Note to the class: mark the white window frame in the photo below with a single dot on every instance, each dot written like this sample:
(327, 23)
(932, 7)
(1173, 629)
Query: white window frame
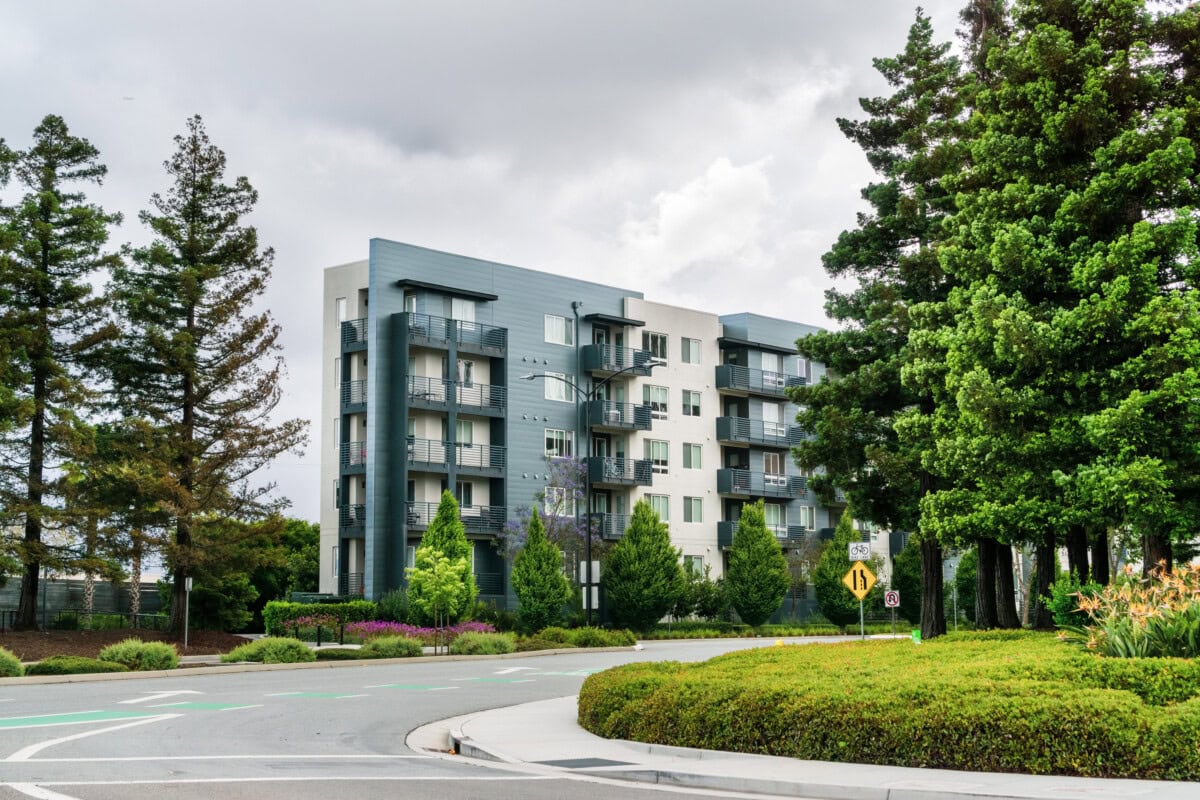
(335, 561)
(658, 450)
(465, 370)
(341, 309)
(558, 330)
(772, 416)
(467, 426)
(657, 344)
(564, 443)
(780, 523)
(693, 509)
(808, 518)
(693, 456)
(658, 408)
(661, 503)
(689, 351)
(691, 403)
(463, 309)
(556, 387)
(557, 503)
(693, 565)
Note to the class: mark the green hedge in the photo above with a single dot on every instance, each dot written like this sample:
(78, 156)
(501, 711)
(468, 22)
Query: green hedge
(995, 703)
(277, 613)
(483, 644)
(73, 665)
(272, 651)
(141, 656)
(391, 647)
(10, 665)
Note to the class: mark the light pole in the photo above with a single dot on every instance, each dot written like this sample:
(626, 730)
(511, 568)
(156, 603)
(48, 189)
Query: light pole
(587, 397)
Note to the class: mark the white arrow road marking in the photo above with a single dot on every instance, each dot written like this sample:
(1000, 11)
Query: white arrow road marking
(159, 696)
(25, 753)
(511, 670)
(33, 790)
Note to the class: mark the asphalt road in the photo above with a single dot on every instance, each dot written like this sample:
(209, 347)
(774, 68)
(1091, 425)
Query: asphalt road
(319, 733)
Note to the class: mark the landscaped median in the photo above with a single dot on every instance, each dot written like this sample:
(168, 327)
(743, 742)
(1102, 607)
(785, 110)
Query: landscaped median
(995, 702)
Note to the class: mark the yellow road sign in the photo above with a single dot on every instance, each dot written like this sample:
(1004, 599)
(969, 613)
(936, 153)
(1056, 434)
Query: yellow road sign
(859, 580)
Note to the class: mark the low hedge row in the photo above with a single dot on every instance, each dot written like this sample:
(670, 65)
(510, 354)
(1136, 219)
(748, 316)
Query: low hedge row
(277, 614)
(1023, 703)
(73, 665)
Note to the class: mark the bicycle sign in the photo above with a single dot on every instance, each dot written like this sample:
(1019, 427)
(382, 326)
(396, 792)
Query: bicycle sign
(860, 551)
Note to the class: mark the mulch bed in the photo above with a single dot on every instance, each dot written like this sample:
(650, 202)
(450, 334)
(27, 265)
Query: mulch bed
(36, 645)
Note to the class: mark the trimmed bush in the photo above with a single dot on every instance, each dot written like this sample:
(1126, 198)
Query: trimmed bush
(555, 634)
(337, 654)
(277, 614)
(598, 637)
(483, 644)
(10, 665)
(272, 651)
(391, 647)
(73, 665)
(141, 656)
(527, 644)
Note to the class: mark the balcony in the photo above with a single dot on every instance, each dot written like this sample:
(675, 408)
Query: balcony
(354, 335)
(482, 398)
(479, 520)
(480, 459)
(352, 518)
(353, 457)
(609, 358)
(429, 453)
(758, 484)
(788, 534)
(429, 330)
(610, 526)
(472, 337)
(354, 396)
(619, 472)
(618, 416)
(490, 582)
(427, 393)
(734, 379)
(350, 584)
(433, 394)
(758, 432)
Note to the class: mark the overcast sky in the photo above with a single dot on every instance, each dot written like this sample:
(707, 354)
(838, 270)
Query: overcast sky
(687, 149)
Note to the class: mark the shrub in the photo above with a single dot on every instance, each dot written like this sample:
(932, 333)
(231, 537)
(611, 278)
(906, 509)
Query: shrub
(73, 665)
(141, 656)
(642, 576)
(391, 647)
(1064, 600)
(278, 614)
(366, 631)
(598, 637)
(10, 665)
(555, 634)
(103, 622)
(337, 654)
(393, 606)
(537, 579)
(65, 621)
(527, 644)
(271, 651)
(1155, 617)
(483, 644)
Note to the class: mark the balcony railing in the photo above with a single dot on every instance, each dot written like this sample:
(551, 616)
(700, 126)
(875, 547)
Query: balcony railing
(474, 336)
(482, 396)
(429, 451)
(490, 582)
(786, 534)
(758, 432)
(619, 471)
(435, 330)
(732, 377)
(350, 584)
(354, 332)
(610, 358)
(758, 484)
(485, 457)
(610, 526)
(354, 392)
(475, 519)
(620, 416)
(425, 391)
(353, 454)
(352, 516)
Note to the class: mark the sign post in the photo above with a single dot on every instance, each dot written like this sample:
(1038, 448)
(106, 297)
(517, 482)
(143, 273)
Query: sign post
(859, 581)
(891, 599)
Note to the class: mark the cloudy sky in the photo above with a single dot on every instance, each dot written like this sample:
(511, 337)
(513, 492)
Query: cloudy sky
(688, 149)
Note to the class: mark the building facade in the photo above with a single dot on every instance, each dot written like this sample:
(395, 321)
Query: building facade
(448, 372)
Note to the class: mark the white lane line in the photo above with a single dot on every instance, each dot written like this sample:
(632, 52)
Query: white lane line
(25, 753)
(511, 670)
(33, 790)
(158, 696)
(279, 757)
(314, 779)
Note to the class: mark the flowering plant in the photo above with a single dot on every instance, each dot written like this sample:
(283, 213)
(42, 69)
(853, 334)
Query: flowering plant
(378, 628)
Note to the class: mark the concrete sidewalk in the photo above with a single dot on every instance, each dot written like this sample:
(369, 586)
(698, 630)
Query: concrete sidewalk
(544, 736)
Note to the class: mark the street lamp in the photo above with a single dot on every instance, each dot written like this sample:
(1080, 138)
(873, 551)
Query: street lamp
(587, 397)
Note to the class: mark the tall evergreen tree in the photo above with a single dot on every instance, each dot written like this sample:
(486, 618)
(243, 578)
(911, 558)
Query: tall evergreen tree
(447, 535)
(538, 580)
(642, 577)
(911, 138)
(52, 327)
(198, 362)
(758, 576)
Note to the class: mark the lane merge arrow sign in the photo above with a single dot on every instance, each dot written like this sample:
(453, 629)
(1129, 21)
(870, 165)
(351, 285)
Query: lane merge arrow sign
(859, 580)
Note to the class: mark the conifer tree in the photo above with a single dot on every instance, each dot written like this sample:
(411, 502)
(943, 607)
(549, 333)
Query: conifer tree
(642, 577)
(52, 327)
(446, 534)
(198, 361)
(758, 576)
(538, 580)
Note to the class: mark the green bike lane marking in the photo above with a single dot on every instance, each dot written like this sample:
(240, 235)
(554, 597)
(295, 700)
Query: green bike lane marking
(71, 718)
(208, 706)
(412, 687)
(327, 695)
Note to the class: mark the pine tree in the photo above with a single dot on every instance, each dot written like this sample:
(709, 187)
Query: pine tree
(833, 598)
(447, 535)
(642, 577)
(52, 328)
(538, 580)
(758, 575)
(198, 362)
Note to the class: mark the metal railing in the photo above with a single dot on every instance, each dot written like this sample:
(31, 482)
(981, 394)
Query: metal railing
(627, 416)
(482, 396)
(746, 379)
(354, 331)
(354, 392)
(479, 456)
(743, 481)
(610, 358)
(610, 526)
(427, 389)
(428, 451)
(470, 334)
(475, 519)
(758, 431)
(350, 584)
(353, 454)
(481, 335)
(623, 471)
(490, 582)
(352, 516)
(431, 328)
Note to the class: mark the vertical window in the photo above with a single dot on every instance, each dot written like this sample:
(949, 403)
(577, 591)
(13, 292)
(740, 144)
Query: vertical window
(464, 432)
(341, 309)
(462, 309)
(691, 403)
(337, 372)
(337, 493)
(410, 556)
(658, 454)
(693, 509)
(559, 503)
(466, 372)
(772, 362)
(559, 444)
(689, 350)
(807, 518)
(691, 456)
(410, 303)
(772, 415)
(656, 398)
(773, 463)
(464, 493)
(557, 387)
(335, 561)
(693, 565)
(559, 330)
(661, 504)
(776, 517)
(656, 343)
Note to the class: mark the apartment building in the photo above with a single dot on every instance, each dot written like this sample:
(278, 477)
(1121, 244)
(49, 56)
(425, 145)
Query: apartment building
(448, 372)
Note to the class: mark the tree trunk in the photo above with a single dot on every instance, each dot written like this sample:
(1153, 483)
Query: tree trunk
(933, 603)
(1006, 599)
(34, 552)
(135, 585)
(1100, 570)
(1077, 553)
(1044, 555)
(1156, 552)
(985, 585)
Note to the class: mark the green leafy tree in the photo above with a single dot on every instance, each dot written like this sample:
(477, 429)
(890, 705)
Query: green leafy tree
(836, 602)
(758, 576)
(537, 578)
(198, 361)
(52, 327)
(642, 577)
(447, 535)
(435, 585)
(711, 599)
(906, 579)
(964, 583)
(291, 565)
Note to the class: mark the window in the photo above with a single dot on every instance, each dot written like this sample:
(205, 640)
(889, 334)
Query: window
(464, 432)
(656, 343)
(559, 330)
(341, 309)
(693, 509)
(772, 368)
(410, 556)
(558, 503)
(661, 504)
(807, 517)
(689, 350)
(657, 453)
(466, 373)
(337, 494)
(462, 309)
(559, 444)
(656, 398)
(337, 373)
(773, 463)
(691, 403)
(775, 516)
(772, 416)
(410, 303)
(557, 387)
(335, 561)
(464, 492)
(691, 456)
(693, 565)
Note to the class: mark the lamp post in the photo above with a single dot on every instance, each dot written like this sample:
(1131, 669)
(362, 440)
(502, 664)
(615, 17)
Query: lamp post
(587, 397)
